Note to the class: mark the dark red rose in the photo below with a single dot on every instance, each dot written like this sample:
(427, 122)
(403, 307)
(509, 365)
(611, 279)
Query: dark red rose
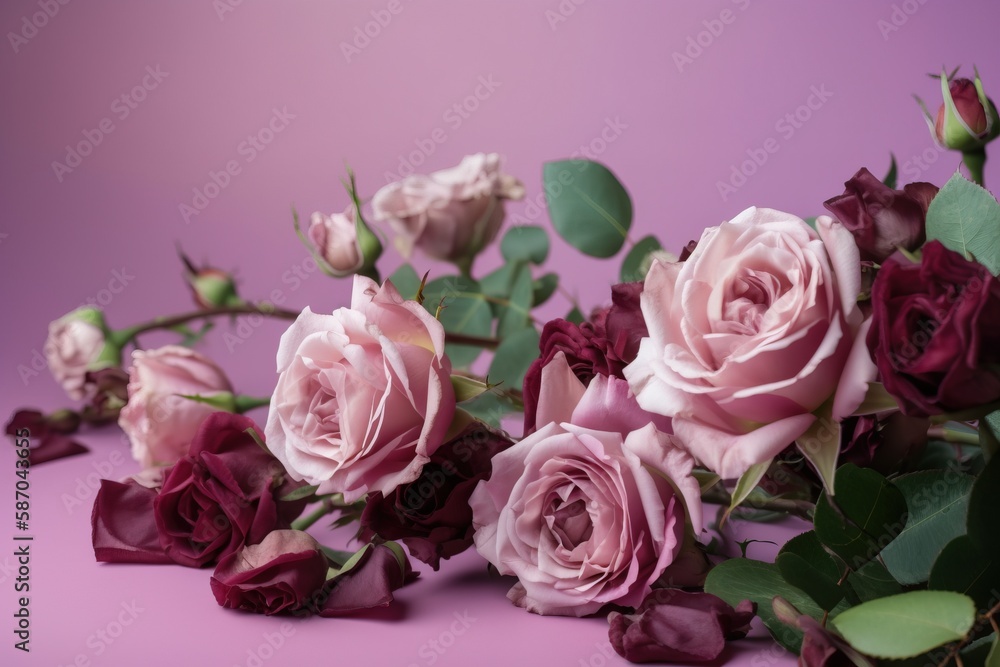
(601, 347)
(378, 572)
(819, 647)
(431, 515)
(882, 219)
(883, 442)
(970, 110)
(223, 494)
(279, 575)
(675, 626)
(935, 333)
(48, 435)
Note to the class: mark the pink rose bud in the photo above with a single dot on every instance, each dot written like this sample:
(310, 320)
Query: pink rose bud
(158, 420)
(452, 214)
(967, 119)
(344, 242)
(78, 343)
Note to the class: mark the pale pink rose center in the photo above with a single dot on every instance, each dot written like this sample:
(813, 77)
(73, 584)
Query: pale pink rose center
(749, 297)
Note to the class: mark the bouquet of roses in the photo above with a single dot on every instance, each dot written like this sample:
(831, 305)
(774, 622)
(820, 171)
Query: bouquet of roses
(843, 369)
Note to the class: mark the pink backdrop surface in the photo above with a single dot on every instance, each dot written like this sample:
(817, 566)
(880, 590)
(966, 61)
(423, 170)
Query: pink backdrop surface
(674, 96)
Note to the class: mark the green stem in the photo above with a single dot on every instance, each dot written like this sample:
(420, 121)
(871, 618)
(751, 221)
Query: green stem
(127, 335)
(800, 508)
(325, 507)
(974, 162)
(953, 436)
(247, 403)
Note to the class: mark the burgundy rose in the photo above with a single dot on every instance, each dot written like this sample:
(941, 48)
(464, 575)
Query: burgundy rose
(935, 334)
(968, 120)
(48, 435)
(882, 219)
(603, 346)
(279, 575)
(675, 626)
(223, 494)
(123, 527)
(378, 572)
(431, 515)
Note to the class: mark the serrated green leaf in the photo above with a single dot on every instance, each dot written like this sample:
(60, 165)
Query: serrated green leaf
(463, 310)
(906, 625)
(964, 567)
(513, 357)
(636, 262)
(937, 502)
(869, 512)
(543, 288)
(406, 280)
(965, 218)
(526, 243)
(589, 207)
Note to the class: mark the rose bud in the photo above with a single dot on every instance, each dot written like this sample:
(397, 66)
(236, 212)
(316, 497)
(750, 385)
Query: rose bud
(935, 333)
(158, 420)
(377, 571)
(674, 626)
(80, 342)
(591, 508)
(279, 575)
(431, 515)
(224, 494)
(452, 214)
(210, 287)
(344, 243)
(967, 119)
(881, 219)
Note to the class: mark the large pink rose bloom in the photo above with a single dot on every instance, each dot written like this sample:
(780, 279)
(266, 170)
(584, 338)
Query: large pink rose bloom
(363, 396)
(750, 335)
(591, 508)
(451, 214)
(159, 421)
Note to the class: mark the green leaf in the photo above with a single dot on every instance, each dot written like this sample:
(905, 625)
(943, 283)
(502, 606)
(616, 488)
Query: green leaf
(983, 503)
(543, 288)
(937, 502)
(406, 280)
(743, 579)
(589, 207)
(746, 484)
(965, 218)
(636, 262)
(299, 493)
(964, 567)
(873, 581)
(890, 177)
(525, 243)
(906, 625)
(820, 444)
(490, 408)
(989, 434)
(869, 512)
(804, 563)
(516, 314)
(513, 357)
(462, 311)
(575, 316)
(497, 284)
(993, 658)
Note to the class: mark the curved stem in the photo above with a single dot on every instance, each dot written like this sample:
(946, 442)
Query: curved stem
(800, 508)
(327, 506)
(953, 436)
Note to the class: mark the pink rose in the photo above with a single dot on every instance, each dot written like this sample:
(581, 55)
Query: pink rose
(363, 395)
(451, 214)
(591, 508)
(749, 336)
(161, 423)
(75, 345)
(336, 239)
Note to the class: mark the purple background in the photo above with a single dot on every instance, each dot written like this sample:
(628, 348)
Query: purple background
(558, 82)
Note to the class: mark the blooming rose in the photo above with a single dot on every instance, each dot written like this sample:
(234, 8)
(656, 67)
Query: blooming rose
(281, 574)
(935, 333)
(603, 346)
(882, 219)
(431, 514)
(589, 509)
(77, 344)
(224, 494)
(674, 626)
(750, 335)
(157, 419)
(363, 396)
(451, 214)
